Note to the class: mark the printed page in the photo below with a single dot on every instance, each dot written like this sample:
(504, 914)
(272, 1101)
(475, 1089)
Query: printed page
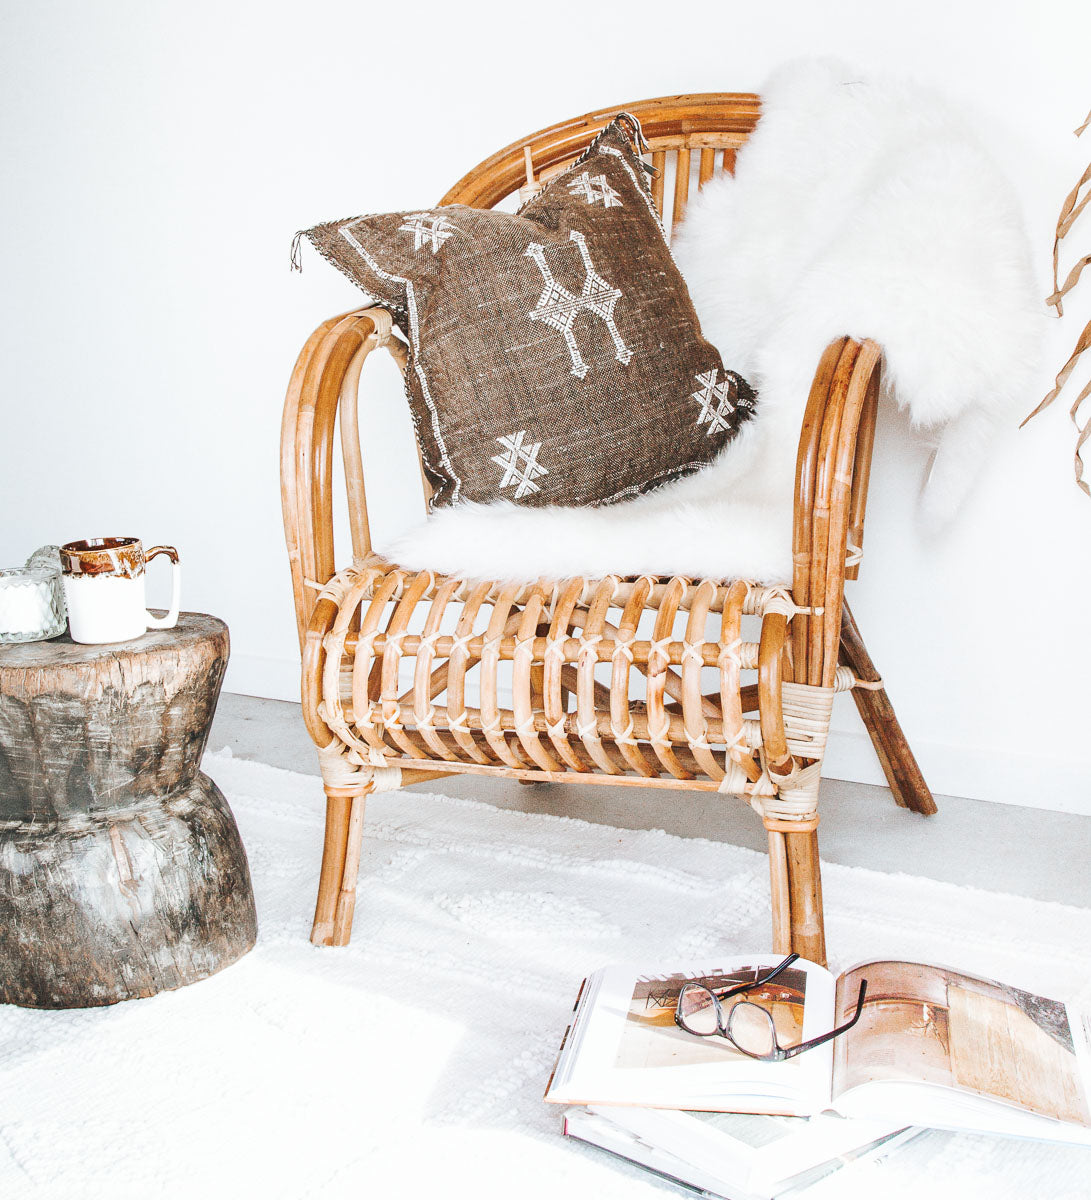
(934, 1025)
(630, 1050)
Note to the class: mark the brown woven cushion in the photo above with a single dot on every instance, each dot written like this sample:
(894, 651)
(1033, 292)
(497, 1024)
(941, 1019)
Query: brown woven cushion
(555, 357)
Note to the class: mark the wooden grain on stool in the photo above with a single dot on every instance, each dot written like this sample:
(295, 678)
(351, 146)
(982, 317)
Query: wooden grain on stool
(122, 873)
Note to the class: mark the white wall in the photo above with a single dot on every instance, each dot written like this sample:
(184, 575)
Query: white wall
(159, 157)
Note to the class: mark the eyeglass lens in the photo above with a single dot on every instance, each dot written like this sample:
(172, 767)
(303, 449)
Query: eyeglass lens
(751, 1028)
(697, 1010)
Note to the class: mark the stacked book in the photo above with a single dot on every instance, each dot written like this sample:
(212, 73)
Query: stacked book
(932, 1048)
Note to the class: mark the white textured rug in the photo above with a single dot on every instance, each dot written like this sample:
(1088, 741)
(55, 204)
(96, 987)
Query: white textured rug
(413, 1063)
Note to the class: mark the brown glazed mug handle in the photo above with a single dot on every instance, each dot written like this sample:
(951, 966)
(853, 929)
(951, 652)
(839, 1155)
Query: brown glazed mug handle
(171, 619)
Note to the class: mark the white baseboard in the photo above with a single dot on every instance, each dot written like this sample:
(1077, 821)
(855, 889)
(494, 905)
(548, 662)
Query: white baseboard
(270, 678)
(977, 773)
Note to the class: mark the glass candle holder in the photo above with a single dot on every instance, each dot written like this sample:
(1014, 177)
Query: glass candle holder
(31, 604)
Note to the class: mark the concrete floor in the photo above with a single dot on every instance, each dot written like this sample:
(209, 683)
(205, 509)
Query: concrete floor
(1029, 852)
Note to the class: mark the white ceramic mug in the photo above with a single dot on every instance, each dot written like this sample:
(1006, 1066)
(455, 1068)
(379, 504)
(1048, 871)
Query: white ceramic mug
(104, 589)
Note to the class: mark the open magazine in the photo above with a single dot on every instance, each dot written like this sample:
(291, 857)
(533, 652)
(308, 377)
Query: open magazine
(933, 1046)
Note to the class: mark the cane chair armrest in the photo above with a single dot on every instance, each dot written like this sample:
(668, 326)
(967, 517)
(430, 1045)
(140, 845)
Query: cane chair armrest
(323, 386)
(832, 468)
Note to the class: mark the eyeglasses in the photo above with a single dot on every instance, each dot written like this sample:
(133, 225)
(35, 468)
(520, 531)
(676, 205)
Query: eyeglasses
(746, 1025)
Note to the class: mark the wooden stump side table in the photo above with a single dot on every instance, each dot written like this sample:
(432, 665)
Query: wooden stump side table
(122, 873)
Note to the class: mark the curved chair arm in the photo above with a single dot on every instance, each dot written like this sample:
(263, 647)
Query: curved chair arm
(832, 469)
(325, 378)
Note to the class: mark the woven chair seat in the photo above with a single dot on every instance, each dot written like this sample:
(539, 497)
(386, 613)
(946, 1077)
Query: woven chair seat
(590, 679)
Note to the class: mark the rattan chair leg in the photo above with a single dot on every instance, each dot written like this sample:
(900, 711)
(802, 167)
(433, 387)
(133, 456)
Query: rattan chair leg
(346, 901)
(805, 893)
(340, 865)
(903, 775)
(778, 891)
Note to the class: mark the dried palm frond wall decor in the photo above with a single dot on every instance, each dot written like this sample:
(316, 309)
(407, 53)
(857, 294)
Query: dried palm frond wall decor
(1075, 202)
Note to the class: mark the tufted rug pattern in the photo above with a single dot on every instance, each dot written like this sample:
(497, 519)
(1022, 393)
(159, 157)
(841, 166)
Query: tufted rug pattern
(413, 1062)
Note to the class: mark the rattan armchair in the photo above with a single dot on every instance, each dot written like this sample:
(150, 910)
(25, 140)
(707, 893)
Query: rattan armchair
(586, 680)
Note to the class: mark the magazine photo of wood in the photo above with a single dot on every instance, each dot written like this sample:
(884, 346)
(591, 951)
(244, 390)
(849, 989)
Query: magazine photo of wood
(935, 1025)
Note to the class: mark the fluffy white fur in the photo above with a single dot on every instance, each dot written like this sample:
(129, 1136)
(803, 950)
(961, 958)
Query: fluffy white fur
(860, 207)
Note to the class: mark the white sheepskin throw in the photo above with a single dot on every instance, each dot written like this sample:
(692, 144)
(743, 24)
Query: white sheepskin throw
(859, 206)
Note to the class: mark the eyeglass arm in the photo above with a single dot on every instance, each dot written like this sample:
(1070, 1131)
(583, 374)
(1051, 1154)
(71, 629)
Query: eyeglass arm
(792, 1051)
(737, 989)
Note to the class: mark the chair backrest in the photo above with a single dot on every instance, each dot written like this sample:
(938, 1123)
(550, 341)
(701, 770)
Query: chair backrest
(688, 136)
